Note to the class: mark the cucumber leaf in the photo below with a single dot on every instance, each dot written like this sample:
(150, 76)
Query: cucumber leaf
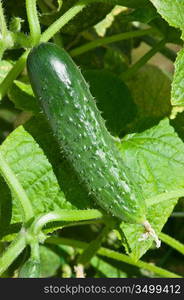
(156, 158)
(34, 172)
(177, 92)
(172, 11)
(21, 94)
(150, 89)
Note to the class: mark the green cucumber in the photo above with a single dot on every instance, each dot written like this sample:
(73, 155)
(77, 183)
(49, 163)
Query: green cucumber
(30, 269)
(77, 124)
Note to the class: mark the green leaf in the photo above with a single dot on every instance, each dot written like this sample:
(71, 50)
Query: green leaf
(172, 11)
(143, 14)
(107, 22)
(177, 92)
(113, 99)
(22, 96)
(5, 67)
(150, 89)
(15, 24)
(156, 158)
(34, 172)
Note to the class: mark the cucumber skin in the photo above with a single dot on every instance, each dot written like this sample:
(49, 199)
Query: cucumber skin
(30, 269)
(76, 123)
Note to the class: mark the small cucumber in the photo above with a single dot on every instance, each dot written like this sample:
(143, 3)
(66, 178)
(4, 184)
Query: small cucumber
(30, 269)
(77, 124)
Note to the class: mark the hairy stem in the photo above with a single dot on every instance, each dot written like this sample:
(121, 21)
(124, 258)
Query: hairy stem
(33, 20)
(12, 252)
(114, 255)
(54, 28)
(64, 215)
(21, 40)
(12, 75)
(107, 40)
(16, 189)
(64, 19)
(35, 250)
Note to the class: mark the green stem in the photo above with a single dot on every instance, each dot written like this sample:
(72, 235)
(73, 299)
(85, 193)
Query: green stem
(140, 264)
(3, 26)
(64, 19)
(35, 250)
(55, 27)
(16, 189)
(114, 255)
(64, 215)
(143, 60)
(78, 223)
(165, 197)
(167, 52)
(107, 40)
(12, 75)
(33, 20)
(172, 242)
(12, 252)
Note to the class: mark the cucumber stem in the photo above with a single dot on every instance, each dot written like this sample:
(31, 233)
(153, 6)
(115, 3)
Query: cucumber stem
(150, 232)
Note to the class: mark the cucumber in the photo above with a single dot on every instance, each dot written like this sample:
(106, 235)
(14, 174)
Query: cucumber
(30, 269)
(77, 124)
